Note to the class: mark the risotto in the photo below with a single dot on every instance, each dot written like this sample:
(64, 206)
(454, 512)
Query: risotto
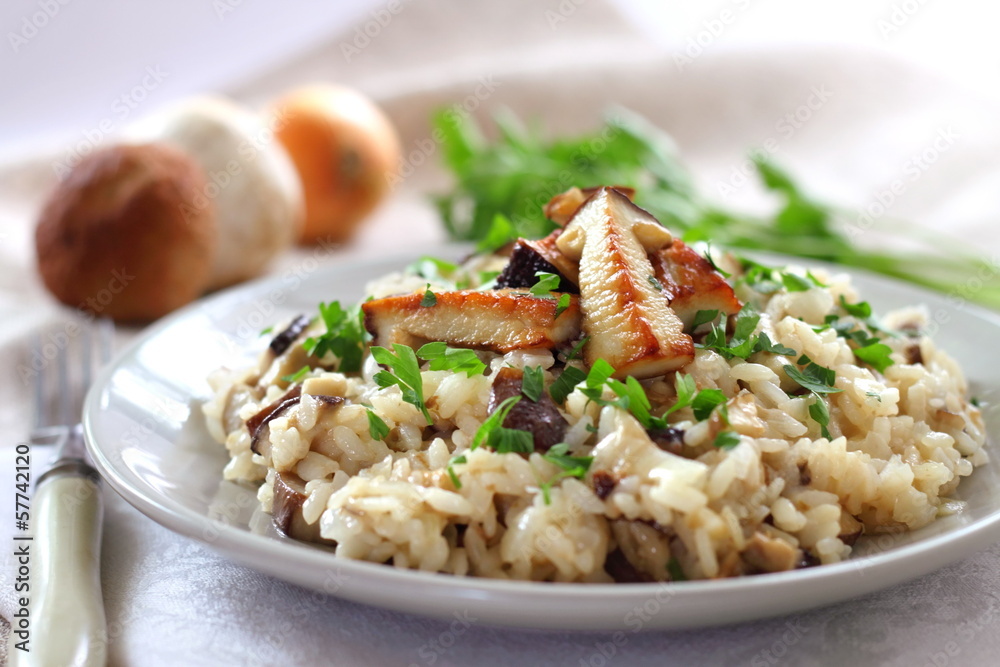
(606, 404)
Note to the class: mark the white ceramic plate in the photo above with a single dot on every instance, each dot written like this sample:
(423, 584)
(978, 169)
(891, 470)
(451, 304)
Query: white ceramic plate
(145, 432)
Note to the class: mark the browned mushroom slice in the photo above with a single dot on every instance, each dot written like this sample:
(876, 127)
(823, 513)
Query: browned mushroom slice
(542, 418)
(691, 283)
(259, 421)
(284, 340)
(628, 322)
(494, 320)
(529, 257)
(564, 205)
(286, 510)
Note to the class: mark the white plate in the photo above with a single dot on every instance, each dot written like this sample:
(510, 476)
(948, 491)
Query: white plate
(146, 434)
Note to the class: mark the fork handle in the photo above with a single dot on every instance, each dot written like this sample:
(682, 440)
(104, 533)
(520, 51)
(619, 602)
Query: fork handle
(67, 608)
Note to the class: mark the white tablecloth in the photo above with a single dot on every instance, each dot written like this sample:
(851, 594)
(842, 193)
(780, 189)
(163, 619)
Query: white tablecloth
(171, 601)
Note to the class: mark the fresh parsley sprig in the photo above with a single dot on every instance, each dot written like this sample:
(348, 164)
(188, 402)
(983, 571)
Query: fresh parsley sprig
(491, 433)
(404, 372)
(819, 380)
(345, 336)
(444, 358)
(571, 466)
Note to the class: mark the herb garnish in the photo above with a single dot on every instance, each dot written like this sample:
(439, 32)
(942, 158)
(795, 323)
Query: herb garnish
(455, 460)
(818, 380)
(444, 358)
(493, 434)
(532, 382)
(572, 466)
(430, 299)
(675, 570)
(726, 440)
(377, 427)
(297, 375)
(405, 374)
(344, 338)
(565, 383)
(547, 283)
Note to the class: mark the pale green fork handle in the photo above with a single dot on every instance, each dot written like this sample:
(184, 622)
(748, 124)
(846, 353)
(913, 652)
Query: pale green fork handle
(67, 608)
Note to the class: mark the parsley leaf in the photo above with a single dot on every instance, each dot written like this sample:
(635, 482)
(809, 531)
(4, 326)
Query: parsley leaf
(344, 338)
(875, 354)
(377, 427)
(444, 358)
(576, 348)
(492, 433)
(657, 285)
(297, 375)
(265, 331)
(455, 460)
(706, 401)
(815, 378)
(796, 283)
(743, 342)
(430, 299)
(704, 317)
(764, 344)
(562, 305)
(547, 283)
(532, 382)
(565, 383)
(434, 269)
(406, 375)
(726, 440)
(686, 391)
(820, 413)
(572, 466)
(862, 310)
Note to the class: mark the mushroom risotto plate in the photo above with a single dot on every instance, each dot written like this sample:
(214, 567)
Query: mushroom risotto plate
(603, 429)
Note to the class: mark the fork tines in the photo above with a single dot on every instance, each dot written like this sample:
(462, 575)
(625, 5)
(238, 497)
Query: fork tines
(68, 355)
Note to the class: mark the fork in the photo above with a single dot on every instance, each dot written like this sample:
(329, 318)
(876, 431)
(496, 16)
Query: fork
(67, 621)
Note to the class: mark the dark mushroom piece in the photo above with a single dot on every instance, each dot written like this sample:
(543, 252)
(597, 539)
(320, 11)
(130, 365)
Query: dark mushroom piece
(286, 510)
(259, 421)
(542, 418)
(529, 257)
(284, 340)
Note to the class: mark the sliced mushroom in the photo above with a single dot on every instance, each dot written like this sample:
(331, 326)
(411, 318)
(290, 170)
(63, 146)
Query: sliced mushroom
(529, 257)
(284, 340)
(768, 554)
(628, 322)
(564, 205)
(286, 512)
(542, 418)
(690, 283)
(496, 320)
(257, 423)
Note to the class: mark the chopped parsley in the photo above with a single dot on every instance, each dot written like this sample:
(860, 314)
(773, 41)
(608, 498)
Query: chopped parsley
(867, 347)
(572, 466)
(444, 358)
(706, 401)
(764, 344)
(657, 285)
(493, 434)
(875, 355)
(264, 332)
(817, 379)
(455, 460)
(377, 427)
(742, 343)
(297, 375)
(726, 440)
(704, 317)
(565, 383)
(405, 373)
(975, 402)
(577, 348)
(768, 279)
(675, 570)
(532, 382)
(430, 299)
(344, 338)
(562, 304)
(547, 283)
